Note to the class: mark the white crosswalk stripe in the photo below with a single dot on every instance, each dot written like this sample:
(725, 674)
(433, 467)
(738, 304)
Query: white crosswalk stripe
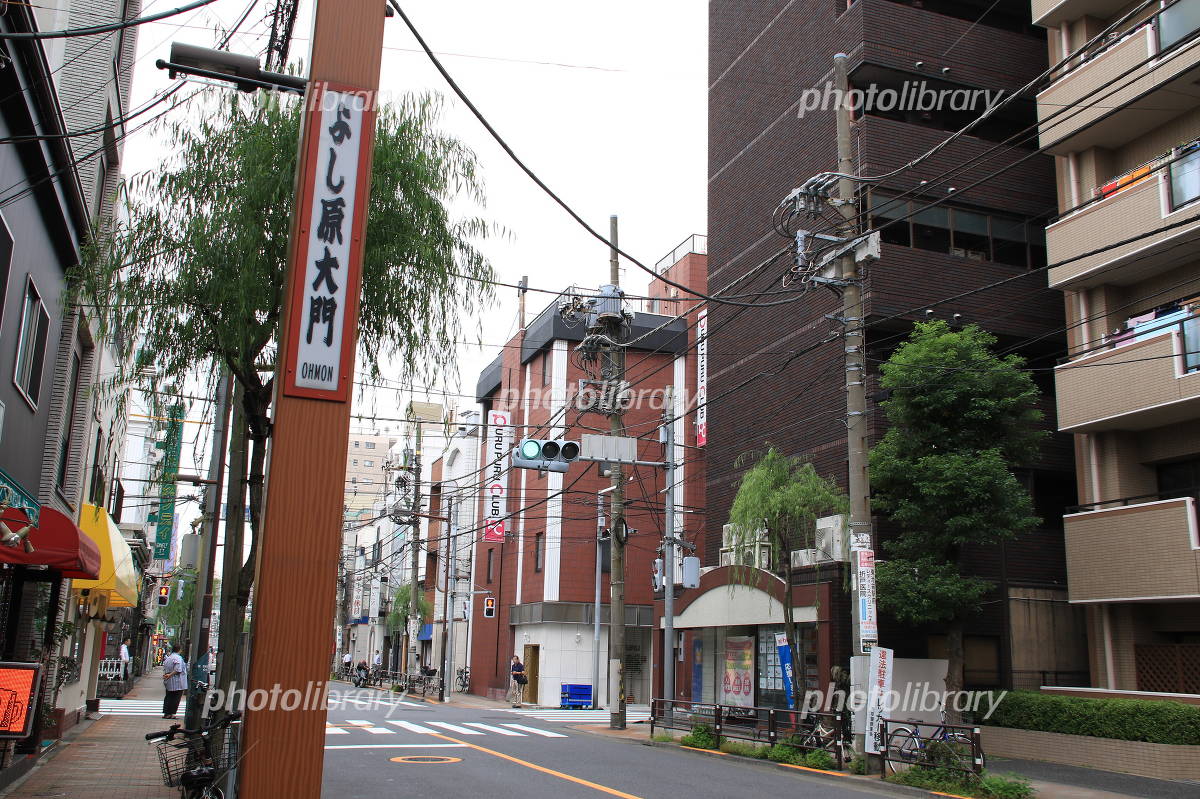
(131, 707)
(445, 725)
(489, 728)
(331, 730)
(536, 731)
(632, 715)
(408, 725)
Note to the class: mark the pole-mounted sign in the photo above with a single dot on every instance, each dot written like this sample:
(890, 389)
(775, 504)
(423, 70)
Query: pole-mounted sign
(333, 207)
(495, 488)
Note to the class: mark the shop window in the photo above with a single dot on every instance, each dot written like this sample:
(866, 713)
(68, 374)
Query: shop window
(31, 344)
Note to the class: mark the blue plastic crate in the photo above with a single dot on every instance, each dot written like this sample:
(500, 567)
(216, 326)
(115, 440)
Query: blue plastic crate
(575, 695)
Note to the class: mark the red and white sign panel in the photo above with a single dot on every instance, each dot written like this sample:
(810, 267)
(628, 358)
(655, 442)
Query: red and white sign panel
(495, 479)
(868, 625)
(334, 195)
(18, 692)
(702, 378)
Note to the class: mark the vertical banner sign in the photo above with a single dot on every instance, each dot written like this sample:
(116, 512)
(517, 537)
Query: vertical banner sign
(785, 666)
(166, 494)
(356, 601)
(496, 461)
(868, 627)
(738, 684)
(701, 378)
(325, 295)
(697, 670)
(879, 688)
(375, 592)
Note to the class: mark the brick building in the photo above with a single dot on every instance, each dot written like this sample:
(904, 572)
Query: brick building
(763, 56)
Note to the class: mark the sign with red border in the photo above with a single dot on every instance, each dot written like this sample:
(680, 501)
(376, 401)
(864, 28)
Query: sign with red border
(334, 193)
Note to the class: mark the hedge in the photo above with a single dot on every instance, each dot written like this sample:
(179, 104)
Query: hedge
(1123, 719)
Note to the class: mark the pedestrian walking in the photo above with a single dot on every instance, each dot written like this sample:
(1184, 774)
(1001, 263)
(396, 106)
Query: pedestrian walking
(516, 686)
(125, 658)
(174, 680)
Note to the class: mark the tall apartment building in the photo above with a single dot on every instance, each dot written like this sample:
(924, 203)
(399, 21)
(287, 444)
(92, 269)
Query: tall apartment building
(764, 141)
(536, 550)
(1122, 118)
(366, 472)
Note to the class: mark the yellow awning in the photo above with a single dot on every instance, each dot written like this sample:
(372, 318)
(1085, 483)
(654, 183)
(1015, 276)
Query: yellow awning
(118, 577)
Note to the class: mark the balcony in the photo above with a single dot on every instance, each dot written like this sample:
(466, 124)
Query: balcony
(1161, 197)
(1137, 385)
(1051, 13)
(1152, 71)
(1147, 550)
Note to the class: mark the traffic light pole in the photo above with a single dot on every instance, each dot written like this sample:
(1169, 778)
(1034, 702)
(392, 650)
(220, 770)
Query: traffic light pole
(669, 543)
(614, 372)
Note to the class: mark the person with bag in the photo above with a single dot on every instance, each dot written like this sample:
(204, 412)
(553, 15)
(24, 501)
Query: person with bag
(516, 687)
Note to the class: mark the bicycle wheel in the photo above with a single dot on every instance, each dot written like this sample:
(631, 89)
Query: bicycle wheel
(212, 792)
(903, 749)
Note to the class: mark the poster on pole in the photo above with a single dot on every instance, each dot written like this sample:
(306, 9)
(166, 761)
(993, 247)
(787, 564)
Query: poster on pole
(868, 625)
(164, 530)
(879, 687)
(702, 378)
(495, 467)
(738, 684)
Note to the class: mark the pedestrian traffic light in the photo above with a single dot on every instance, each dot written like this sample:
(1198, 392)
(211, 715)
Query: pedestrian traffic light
(657, 574)
(164, 594)
(553, 455)
(489, 607)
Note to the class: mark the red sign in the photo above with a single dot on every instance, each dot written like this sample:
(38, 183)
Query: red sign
(18, 693)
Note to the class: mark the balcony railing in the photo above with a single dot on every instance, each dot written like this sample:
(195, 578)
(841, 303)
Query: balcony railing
(695, 243)
(1185, 322)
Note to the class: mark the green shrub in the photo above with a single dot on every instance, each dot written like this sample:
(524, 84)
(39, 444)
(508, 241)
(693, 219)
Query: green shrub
(990, 786)
(819, 758)
(782, 753)
(744, 749)
(663, 737)
(858, 765)
(1123, 719)
(702, 736)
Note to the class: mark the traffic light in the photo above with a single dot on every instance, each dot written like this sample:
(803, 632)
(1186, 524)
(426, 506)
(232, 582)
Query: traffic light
(554, 455)
(657, 574)
(489, 607)
(164, 595)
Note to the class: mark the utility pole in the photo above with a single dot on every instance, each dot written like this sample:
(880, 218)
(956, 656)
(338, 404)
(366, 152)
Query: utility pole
(447, 601)
(596, 608)
(202, 605)
(669, 543)
(414, 618)
(856, 394)
(614, 374)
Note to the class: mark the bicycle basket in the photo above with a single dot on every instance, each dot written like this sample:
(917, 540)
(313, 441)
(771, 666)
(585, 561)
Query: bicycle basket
(180, 756)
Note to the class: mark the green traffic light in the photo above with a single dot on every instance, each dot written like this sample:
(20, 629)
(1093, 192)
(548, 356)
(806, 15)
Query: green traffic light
(530, 449)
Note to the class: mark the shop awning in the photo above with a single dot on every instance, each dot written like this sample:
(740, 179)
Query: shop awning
(118, 578)
(57, 543)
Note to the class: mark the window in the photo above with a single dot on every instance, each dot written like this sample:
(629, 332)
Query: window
(68, 426)
(539, 551)
(491, 564)
(931, 229)
(356, 445)
(367, 481)
(368, 463)
(6, 250)
(546, 368)
(31, 345)
(1179, 479)
(354, 461)
(971, 236)
(1185, 176)
(370, 445)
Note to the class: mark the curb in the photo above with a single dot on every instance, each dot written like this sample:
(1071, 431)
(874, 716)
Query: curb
(832, 777)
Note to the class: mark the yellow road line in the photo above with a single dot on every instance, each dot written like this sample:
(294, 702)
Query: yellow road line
(709, 751)
(817, 770)
(543, 769)
(954, 795)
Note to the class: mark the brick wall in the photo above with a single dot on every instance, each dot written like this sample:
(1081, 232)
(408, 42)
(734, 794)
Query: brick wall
(1162, 761)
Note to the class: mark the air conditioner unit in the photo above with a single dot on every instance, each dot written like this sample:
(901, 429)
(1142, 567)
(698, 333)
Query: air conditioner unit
(730, 537)
(830, 538)
(757, 556)
(802, 558)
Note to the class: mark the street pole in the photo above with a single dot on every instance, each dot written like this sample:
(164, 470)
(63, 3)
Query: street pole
(412, 623)
(447, 604)
(669, 543)
(856, 394)
(596, 608)
(283, 752)
(202, 605)
(614, 373)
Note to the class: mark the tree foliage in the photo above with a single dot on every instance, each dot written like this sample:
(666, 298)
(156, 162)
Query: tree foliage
(398, 615)
(961, 419)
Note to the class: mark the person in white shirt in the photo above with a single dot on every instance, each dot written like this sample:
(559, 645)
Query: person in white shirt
(174, 680)
(347, 659)
(125, 659)
(378, 658)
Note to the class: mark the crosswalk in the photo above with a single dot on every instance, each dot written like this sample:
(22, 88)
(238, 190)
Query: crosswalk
(436, 727)
(132, 707)
(632, 715)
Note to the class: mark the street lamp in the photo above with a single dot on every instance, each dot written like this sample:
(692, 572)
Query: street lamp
(241, 70)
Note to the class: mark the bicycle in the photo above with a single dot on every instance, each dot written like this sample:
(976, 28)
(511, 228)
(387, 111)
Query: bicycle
(906, 748)
(194, 760)
(816, 734)
(464, 679)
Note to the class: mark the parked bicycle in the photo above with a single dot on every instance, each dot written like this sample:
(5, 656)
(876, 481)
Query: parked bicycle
(195, 760)
(463, 679)
(944, 746)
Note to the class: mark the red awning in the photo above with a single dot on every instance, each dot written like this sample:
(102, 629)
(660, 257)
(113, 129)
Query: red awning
(57, 543)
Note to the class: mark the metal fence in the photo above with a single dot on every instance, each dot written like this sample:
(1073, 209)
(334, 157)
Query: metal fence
(795, 728)
(908, 743)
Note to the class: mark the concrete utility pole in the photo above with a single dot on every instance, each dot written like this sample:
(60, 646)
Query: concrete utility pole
(596, 609)
(413, 623)
(670, 541)
(614, 373)
(447, 602)
(856, 391)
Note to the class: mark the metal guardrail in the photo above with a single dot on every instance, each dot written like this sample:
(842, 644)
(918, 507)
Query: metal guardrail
(695, 243)
(1137, 499)
(795, 728)
(908, 743)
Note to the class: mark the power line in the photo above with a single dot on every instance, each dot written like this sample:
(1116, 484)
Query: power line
(97, 29)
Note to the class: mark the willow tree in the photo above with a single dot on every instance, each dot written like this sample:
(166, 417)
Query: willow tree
(778, 502)
(194, 271)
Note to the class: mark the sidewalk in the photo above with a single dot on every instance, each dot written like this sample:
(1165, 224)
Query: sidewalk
(104, 759)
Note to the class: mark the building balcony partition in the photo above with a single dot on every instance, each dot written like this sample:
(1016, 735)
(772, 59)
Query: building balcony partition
(1137, 225)
(1134, 549)
(1145, 375)
(1126, 85)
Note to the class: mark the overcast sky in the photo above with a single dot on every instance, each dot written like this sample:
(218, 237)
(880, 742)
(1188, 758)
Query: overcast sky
(606, 102)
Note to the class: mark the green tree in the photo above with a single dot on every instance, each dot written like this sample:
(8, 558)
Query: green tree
(194, 272)
(779, 501)
(398, 615)
(961, 419)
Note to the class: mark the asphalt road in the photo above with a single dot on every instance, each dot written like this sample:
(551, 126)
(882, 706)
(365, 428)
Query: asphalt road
(407, 747)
